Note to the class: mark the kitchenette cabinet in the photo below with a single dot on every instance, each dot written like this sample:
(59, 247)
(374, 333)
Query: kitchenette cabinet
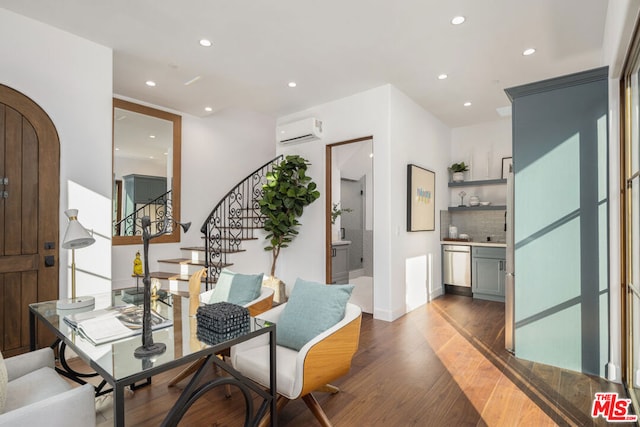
(488, 273)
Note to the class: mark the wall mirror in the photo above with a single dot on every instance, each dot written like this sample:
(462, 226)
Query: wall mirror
(146, 171)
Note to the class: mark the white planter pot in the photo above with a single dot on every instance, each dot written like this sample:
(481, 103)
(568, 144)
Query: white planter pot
(458, 176)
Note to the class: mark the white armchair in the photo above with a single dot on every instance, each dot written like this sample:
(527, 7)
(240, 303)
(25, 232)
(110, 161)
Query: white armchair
(322, 360)
(37, 395)
(259, 305)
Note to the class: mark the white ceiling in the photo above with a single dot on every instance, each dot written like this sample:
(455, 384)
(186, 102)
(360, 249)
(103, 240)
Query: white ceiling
(332, 49)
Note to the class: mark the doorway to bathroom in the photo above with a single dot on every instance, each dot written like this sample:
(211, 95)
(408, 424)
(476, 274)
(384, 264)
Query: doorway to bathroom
(349, 240)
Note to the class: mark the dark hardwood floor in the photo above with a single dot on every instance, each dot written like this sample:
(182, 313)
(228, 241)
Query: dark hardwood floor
(443, 364)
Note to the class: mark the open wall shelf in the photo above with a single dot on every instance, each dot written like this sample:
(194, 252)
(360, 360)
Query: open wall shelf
(479, 182)
(477, 208)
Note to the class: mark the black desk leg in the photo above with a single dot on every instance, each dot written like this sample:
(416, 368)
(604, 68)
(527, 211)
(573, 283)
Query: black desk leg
(32, 331)
(272, 378)
(118, 405)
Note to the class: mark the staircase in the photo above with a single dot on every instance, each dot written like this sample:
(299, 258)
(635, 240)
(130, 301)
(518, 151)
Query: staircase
(235, 219)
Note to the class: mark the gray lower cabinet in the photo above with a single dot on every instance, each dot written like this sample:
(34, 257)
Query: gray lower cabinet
(488, 273)
(340, 264)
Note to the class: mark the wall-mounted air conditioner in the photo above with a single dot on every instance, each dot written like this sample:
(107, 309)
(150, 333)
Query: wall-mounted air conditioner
(300, 131)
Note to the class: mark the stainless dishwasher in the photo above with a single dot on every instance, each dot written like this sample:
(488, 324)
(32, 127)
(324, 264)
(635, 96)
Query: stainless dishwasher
(456, 265)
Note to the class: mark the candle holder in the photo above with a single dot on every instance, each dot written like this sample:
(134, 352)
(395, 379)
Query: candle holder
(462, 194)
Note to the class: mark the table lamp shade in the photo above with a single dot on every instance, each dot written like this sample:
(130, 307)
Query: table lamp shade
(76, 236)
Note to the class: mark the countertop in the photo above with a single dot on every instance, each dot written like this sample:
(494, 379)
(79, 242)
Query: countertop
(485, 244)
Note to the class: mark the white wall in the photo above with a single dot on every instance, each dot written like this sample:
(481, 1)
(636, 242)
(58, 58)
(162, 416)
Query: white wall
(127, 166)
(71, 79)
(218, 151)
(419, 138)
(402, 133)
(482, 147)
(363, 114)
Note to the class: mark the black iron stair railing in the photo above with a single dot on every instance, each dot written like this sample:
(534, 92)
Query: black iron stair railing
(158, 209)
(234, 219)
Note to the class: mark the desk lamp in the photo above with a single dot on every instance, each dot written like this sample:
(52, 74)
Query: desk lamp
(76, 237)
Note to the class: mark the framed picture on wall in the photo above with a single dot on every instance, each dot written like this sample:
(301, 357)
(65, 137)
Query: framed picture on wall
(421, 206)
(506, 166)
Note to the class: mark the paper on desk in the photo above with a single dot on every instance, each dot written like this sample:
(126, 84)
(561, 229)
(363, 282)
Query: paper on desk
(113, 323)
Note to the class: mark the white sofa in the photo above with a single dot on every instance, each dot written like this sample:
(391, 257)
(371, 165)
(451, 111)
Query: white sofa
(38, 396)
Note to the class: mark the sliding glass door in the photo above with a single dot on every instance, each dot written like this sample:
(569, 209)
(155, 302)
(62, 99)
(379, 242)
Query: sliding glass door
(630, 179)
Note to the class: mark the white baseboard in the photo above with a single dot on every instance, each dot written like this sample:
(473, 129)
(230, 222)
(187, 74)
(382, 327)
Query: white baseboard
(612, 372)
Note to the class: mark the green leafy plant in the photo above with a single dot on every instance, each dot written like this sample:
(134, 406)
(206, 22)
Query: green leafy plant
(287, 192)
(337, 211)
(458, 167)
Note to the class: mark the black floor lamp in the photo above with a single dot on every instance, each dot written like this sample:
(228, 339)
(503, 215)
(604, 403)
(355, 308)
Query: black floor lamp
(148, 347)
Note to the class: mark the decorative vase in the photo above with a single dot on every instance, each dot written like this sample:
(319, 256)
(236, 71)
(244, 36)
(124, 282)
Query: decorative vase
(458, 177)
(279, 288)
(335, 234)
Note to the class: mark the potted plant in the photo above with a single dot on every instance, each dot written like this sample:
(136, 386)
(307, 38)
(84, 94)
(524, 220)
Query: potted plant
(458, 170)
(337, 211)
(287, 192)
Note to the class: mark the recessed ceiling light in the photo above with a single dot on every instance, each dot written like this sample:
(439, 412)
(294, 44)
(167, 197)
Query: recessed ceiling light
(150, 83)
(152, 136)
(205, 43)
(467, 104)
(208, 109)
(293, 84)
(117, 149)
(529, 51)
(371, 156)
(166, 154)
(457, 20)
(442, 76)
(151, 157)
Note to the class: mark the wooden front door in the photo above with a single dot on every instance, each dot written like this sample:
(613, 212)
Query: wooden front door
(29, 195)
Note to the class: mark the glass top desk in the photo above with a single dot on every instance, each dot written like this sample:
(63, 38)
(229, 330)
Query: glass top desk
(116, 364)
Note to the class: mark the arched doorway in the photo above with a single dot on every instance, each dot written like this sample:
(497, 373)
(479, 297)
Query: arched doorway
(29, 216)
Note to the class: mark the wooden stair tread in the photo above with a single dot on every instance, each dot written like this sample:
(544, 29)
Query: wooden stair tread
(188, 261)
(193, 248)
(164, 275)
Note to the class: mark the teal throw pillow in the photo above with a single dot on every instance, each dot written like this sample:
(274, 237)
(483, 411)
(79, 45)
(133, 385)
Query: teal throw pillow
(223, 287)
(312, 309)
(245, 288)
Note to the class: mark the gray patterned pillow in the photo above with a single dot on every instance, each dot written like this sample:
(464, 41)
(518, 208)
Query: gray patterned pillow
(3, 384)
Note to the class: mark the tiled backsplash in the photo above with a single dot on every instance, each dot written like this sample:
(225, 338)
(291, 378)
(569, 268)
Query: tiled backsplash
(477, 224)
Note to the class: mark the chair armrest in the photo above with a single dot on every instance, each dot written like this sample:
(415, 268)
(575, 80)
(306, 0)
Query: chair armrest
(73, 408)
(22, 364)
(328, 356)
(206, 296)
(257, 306)
(270, 316)
(261, 304)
